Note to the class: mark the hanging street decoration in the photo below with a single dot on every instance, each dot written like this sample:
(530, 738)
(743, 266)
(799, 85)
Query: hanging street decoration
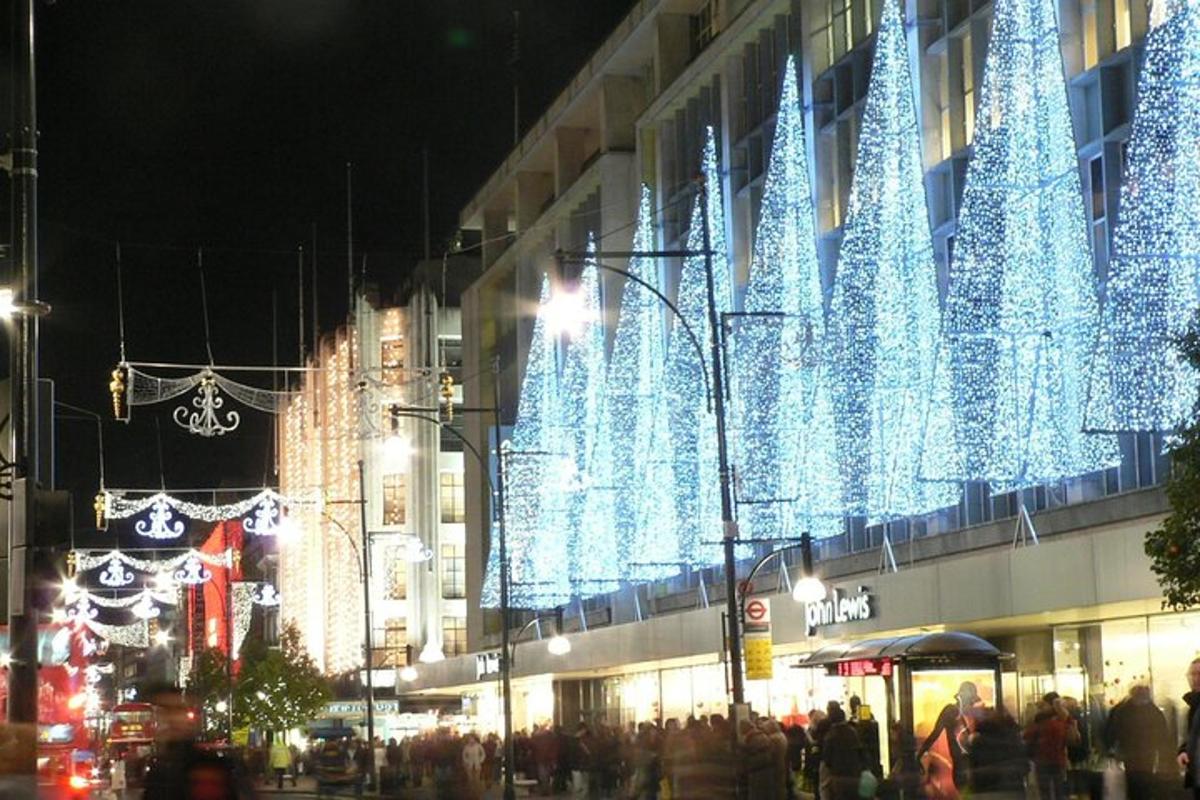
(115, 559)
(1022, 308)
(206, 416)
(125, 503)
(160, 525)
(192, 571)
(205, 420)
(115, 574)
(1139, 380)
(145, 607)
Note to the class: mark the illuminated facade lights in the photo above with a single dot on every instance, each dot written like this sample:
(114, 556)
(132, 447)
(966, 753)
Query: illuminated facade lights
(784, 436)
(1022, 308)
(1139, 381)
(884, 317)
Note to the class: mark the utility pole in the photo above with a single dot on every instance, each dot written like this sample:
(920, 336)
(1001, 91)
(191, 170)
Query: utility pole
(366, 582)
(23, 378)
(728, 525)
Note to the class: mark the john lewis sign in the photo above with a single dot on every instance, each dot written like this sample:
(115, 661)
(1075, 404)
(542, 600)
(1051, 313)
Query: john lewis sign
(839, 609)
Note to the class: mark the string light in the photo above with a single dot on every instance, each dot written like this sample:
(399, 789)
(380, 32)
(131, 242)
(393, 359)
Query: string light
(120, 505)
(884, 317)
(643, 504)
(159, 526)
(1022, 308)
(692, 422)
(534, 514)
(787, 465)
(1139, 381)
(592, 556)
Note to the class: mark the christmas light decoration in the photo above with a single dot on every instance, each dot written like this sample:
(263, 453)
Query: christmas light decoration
(243, 610)
(690, 416)
(643, 504)
(787, 465)
(86, 561)
(535, 513)
(82, 610)
(266, 595)
(1022, 307)
(125, 503)
(884, 317)
(114, 573)
(133, 635)
(592, 562)
(205, 420)
(192, 572)
(145, 608)
(1139, 381)
(132, 386)
(160, 526)
(129, 601)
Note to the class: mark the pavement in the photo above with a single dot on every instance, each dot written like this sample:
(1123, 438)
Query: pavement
(306, 788)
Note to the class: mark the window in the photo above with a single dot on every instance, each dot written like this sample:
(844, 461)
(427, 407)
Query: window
(391, 360)
(704, 28)
(968, 78)
(1096, 172)
(394, 499)
(454, 571)
(454, 636)
(453, 497)
(390, 644)
(397, 573)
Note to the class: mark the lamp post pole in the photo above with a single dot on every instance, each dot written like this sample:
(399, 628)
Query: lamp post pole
(728, 525)
(23, 381)
(366, 582)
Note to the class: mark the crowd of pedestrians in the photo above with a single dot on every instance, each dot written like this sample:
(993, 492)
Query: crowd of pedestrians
(827, 754)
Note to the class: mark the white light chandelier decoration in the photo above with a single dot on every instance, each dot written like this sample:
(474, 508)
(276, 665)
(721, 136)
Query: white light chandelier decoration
(192, 572)
(206, 414)
(265, 513)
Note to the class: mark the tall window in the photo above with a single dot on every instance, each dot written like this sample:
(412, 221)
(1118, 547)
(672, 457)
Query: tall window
(454, 571)
(703, 25)
(397, 573)
(395, 499)
(454, 635)
(391, 359)
(390, 643)
(453, 497)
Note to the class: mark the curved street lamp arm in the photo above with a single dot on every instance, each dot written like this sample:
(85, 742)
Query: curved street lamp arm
(692, 337)
(349, 538)
(557, 617)
(487, 475)
(805, 544)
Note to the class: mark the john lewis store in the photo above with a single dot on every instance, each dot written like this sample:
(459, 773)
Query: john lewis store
(1079, 613)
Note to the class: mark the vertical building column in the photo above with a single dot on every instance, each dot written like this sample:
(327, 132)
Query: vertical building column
(495, 228)
(424, 512)
(533, 190)
(622, 99)
(568, 157)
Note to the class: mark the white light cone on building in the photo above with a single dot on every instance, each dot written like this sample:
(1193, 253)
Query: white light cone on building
(808, 589)
(397, 450)
(408, 674)
(558, 645)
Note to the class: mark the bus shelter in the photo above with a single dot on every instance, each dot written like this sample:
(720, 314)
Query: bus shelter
(938, 686)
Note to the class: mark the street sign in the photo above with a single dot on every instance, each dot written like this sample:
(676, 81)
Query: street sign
(757, 639)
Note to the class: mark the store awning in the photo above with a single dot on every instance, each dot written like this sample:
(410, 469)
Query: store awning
(942, 647)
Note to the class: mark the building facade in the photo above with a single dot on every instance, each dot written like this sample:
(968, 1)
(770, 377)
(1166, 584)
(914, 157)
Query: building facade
(351, 413)
(1080, 610)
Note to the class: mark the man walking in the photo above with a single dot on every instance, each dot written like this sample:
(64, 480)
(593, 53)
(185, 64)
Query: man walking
(1189, 751)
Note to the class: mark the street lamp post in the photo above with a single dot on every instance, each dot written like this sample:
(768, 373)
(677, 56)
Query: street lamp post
(714, 374)
(497, 490)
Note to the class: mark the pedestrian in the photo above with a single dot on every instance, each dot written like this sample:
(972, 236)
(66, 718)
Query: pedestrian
(779, 751)
(842, 763)
(581, 757)
(1189, 751)
(1048, 737)
(998, 758)
(117, 781)
(544, 745)
(1137, 733)
(758, 761)
(472, 759)
(281, 761)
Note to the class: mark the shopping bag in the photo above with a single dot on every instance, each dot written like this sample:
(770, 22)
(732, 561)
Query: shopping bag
(867, 784)
(1114, 781)
(664, 789)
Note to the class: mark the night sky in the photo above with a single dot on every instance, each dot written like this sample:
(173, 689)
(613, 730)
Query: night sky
(228, 124)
